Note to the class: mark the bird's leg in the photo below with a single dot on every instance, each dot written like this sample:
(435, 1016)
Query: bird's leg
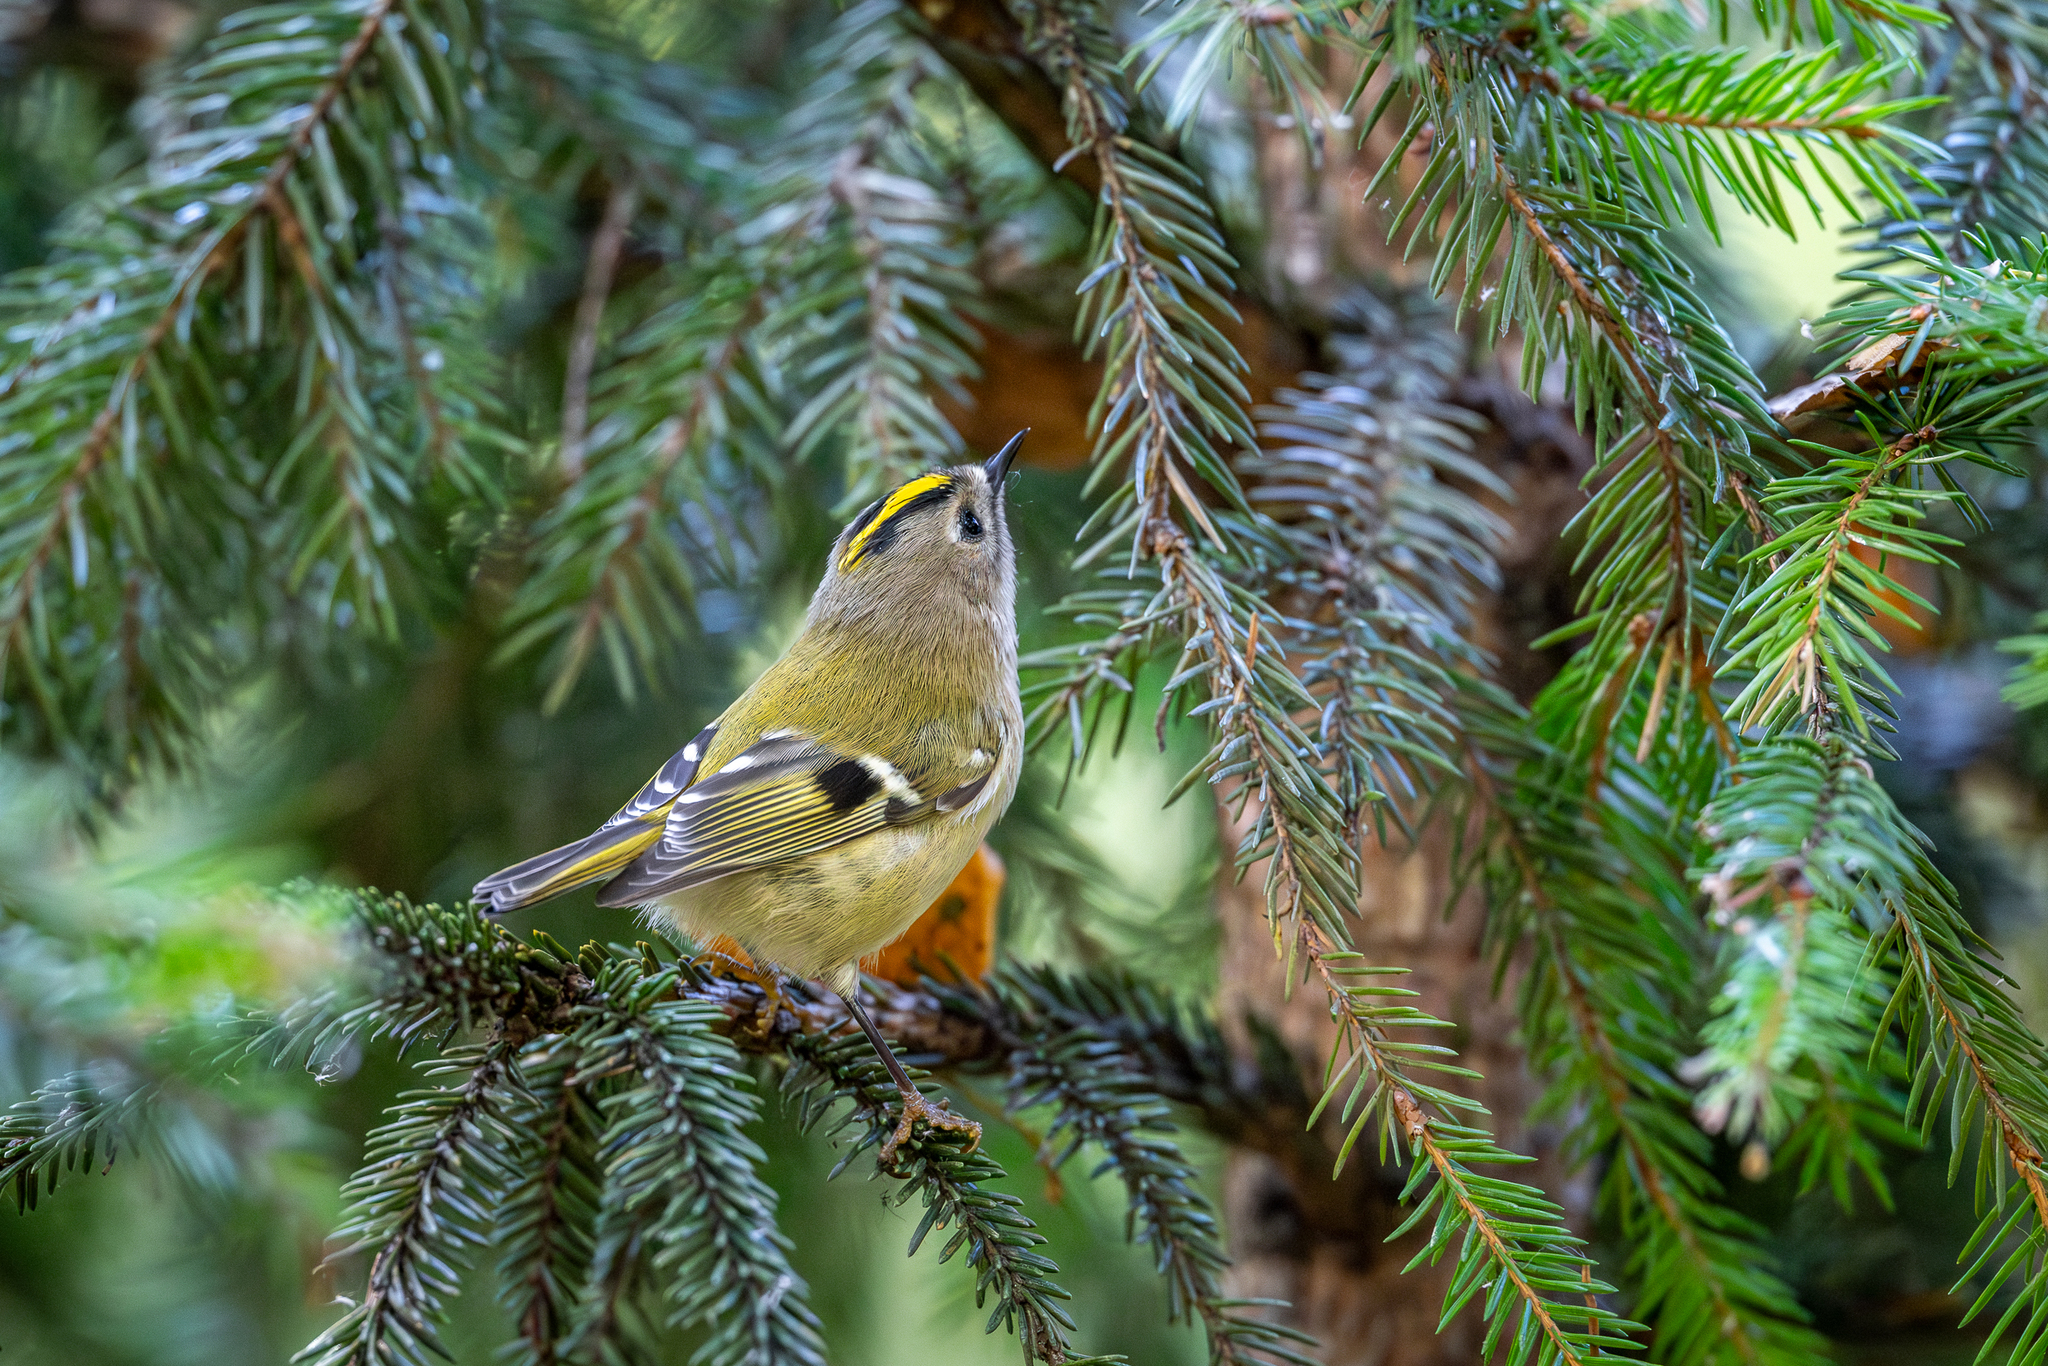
(771, 1008)
(736, 962)
(916, 1105)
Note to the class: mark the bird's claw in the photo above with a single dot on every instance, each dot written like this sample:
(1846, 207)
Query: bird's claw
(916, 1106)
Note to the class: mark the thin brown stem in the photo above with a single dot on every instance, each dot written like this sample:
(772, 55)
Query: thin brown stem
(646, 506)
(1844, 122)
(599, 270)
(2026, 1159)
(440, 440)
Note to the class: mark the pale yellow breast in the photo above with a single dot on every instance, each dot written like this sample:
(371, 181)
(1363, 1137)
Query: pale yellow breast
(818, 916)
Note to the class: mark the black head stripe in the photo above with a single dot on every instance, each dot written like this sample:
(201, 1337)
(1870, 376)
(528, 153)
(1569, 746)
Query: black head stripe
(859, 524)
(884, 536)
(877, 528)
(847, 784)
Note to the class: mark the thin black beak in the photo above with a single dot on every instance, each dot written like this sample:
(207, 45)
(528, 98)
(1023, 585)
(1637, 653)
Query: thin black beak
(998, 465)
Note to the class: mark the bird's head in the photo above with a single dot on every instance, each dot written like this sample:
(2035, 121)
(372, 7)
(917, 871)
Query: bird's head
(930, 544)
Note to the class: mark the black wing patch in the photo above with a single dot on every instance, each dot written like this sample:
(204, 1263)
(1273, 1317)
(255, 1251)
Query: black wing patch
(847, 784)
(785, 797)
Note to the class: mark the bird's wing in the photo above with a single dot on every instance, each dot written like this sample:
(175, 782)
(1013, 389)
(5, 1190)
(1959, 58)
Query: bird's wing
(605, 851)
(666, 785)
(784, 797)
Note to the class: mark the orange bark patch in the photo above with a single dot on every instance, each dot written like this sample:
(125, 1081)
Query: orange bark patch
(958, 931)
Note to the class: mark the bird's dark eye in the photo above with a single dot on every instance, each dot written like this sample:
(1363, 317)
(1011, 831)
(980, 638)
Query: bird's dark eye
(970, 525)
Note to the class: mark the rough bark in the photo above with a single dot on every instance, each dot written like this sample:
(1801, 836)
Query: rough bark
(113, 40)
(1294, 1233)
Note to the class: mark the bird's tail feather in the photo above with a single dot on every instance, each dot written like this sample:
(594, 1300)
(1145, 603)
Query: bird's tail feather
(593, 858)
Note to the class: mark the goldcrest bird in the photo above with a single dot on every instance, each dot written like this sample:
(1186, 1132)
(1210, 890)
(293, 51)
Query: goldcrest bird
(825, 809)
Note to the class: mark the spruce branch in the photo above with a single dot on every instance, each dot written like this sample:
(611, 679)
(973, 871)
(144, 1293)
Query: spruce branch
(837, 305)
(1510, 1238)
(128, 355)
(1993, 147)
(606, 568)
(1058, 1057)
(1279, 39)
(1600, 938)
(1789, 885)
(999, 1241)
(881, 306)
(1691, 115)
(1972, 1058)
(1172, 401)
(1366, 473)
(419, 1205)
(68, 1125)
(1651, 372)
(1823, 592)
(612, 1322)
(1969, 1051)
(1976, 1061)
(547, 1222)
(1261, 756)
(673, 1154)
(1603, 1027)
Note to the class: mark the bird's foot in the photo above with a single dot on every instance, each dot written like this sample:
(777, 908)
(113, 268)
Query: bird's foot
(918, 1106)
(762, 1032)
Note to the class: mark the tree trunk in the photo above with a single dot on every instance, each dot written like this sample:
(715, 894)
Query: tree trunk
(1296, 1234)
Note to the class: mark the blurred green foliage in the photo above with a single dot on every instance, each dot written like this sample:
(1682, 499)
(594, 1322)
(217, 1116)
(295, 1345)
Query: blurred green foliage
(417, 761)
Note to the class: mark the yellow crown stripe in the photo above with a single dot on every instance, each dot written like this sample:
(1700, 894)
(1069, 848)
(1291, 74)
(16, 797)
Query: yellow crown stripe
(924, 483)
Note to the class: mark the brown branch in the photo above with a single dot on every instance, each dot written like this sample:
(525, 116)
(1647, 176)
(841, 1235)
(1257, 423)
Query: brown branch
(598, 273)
(1798, 659)
(1871, 371)
(2020, 1150)
(1585, 99)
